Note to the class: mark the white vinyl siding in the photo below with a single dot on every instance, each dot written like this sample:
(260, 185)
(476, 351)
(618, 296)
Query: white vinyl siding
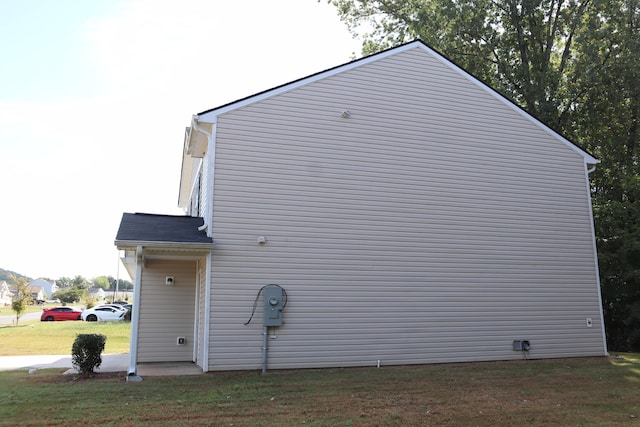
(435, 224)
(168, 311)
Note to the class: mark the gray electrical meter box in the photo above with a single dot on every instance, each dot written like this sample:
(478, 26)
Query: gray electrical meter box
(273, 305)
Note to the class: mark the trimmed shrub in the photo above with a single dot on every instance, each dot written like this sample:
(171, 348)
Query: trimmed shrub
(86, 352)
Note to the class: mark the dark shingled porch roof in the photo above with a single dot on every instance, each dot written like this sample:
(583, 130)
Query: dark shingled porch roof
(142, 227)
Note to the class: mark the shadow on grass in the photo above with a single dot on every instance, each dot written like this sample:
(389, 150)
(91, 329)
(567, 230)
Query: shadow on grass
(630, 361)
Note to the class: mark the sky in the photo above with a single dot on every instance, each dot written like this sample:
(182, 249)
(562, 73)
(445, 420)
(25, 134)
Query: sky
(95, 97)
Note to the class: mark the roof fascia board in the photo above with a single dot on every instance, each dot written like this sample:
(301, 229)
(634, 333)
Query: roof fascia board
(588, 158)
(130, 244)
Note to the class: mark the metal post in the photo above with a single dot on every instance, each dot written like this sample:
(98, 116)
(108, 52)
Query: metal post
(117, 277)
(265, 344)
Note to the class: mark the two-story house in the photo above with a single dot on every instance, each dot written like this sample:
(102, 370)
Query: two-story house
(402, 211)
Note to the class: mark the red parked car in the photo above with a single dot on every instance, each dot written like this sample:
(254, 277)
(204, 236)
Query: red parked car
(60, 313)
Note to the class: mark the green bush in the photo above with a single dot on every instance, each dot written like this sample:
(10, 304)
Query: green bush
(90, 302)
(86, 352)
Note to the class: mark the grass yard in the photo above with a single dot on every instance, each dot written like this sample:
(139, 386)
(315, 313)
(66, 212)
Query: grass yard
(35, 337)
(567, 392)
(5, 310)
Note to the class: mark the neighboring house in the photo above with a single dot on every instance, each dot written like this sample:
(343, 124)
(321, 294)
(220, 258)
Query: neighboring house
(49, 287)
(36, 293)
(97, 293)
(6, 296)
(411, 213)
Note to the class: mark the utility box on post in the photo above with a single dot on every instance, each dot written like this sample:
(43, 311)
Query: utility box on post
(273, 305)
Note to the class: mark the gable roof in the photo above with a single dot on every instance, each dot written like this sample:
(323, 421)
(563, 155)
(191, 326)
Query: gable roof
(210, 116)
(142, 228)
(42, 282)
(35, 289)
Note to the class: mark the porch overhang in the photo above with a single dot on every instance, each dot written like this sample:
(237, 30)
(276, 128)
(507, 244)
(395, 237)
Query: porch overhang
(149, 236)
(159, 250)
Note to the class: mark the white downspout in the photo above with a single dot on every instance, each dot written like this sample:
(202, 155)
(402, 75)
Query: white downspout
(196, 318)
(135, 316)
(207, 316)
(211, 157)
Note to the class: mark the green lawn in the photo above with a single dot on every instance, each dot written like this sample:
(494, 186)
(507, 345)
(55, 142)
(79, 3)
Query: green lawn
(568, 392)
(36, 337)
(561, 392)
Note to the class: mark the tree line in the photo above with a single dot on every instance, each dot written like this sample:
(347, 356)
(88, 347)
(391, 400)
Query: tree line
(574, 65)
(75, 289)
(70, 289)
(80, 282)
(103, 282)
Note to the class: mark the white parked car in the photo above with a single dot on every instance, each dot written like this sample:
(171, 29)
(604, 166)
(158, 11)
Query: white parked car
(116, 306)
(103, 313)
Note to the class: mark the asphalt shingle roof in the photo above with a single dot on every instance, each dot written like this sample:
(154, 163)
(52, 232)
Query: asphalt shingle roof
(142, 227)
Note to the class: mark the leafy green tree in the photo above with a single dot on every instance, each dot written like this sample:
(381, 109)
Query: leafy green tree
(70, 295)
(64, 282)
(573, 64)
(81, 283)
(126, 285)
(608, 119)
(524, 49)
(21, 297)
(101, 282)
(123, 285)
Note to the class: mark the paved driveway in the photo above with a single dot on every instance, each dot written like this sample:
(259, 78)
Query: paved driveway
(110, 362)
(8, 320)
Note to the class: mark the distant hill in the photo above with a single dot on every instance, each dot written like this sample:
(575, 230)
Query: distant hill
(5, 275)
